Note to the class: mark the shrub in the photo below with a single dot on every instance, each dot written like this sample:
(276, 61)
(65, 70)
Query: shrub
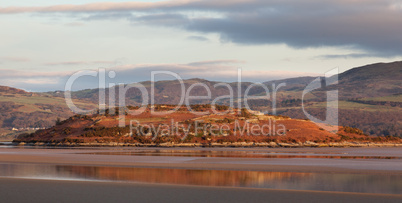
(353, 130)
(244, 113)
(67, 130)
(58, 121)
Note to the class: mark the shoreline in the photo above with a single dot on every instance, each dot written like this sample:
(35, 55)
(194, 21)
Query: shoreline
(215, 145)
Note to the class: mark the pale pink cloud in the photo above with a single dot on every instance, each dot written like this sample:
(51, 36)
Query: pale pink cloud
(11, 73)
(183, 4)
(104, 6)
(128, 6)
(76, 63)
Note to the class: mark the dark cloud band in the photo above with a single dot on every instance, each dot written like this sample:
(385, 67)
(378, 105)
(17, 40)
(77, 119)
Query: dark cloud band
(370, 26)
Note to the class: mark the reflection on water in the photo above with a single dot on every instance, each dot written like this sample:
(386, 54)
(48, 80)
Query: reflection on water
(365, 183)
(6, 145)
(235, 154)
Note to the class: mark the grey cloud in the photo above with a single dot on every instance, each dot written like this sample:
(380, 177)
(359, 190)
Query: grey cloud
(373, 34)
(198, 38)
(164, 19)
(107, 16)
(370, 26)
(214, 62)
(344, 56)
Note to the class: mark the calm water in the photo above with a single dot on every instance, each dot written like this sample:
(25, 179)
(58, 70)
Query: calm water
(236, 154)
(364, 183)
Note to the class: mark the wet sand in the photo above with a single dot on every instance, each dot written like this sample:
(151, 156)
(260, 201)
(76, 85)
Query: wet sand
(31, 190)
(21, 190)
(84, 157)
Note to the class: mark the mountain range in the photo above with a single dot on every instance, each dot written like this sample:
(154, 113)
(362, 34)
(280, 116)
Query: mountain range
(370, 98)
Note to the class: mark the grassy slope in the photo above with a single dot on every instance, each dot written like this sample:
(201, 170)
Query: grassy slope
(34, 103)
(30, 103)
(392, 98)
(358, 106)
(102, 129)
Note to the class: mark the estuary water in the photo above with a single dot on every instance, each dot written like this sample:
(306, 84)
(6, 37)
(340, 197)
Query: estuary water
(214, 167)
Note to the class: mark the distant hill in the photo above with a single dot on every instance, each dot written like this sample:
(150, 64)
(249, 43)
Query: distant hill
(166, 92)
(370, 99)
(10, 90)
(292, 84)
(376, 80)
(22, 111)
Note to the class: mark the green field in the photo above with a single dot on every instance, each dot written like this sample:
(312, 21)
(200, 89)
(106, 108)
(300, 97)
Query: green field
(392, 98)
(358, 106)
(29, 102)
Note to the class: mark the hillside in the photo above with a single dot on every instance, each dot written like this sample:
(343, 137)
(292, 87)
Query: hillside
(184, 128)
(10, 90)
(292, 84)
(166, 92)
(370, 99)
(22, 111)
(376, 80)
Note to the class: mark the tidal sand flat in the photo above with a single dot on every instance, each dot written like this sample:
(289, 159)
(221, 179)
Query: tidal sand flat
(26, 190)
(209, 174)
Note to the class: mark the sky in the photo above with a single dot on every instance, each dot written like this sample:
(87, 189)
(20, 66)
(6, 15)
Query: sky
(44, 42)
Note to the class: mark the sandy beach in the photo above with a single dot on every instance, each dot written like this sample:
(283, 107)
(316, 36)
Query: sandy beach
(94, 157)
(20, 190)
(121, 167)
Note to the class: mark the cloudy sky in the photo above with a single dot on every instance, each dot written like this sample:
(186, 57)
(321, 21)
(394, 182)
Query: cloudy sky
(43, 42)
